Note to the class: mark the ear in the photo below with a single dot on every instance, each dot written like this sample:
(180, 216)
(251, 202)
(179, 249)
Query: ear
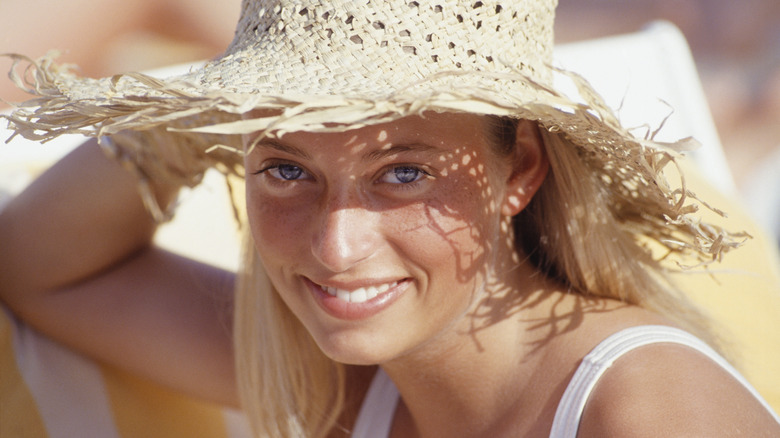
(529, 168)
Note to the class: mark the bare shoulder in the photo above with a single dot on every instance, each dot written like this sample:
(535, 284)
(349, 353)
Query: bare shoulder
(672, 390)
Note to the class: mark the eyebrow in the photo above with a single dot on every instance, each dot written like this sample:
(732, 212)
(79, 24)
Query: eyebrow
(371, 156)
(379, 154)
(282, 147)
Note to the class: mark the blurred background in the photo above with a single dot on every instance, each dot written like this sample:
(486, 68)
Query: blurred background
(736, 45)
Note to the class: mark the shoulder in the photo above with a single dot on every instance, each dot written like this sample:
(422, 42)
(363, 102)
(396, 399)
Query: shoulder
(672, 390)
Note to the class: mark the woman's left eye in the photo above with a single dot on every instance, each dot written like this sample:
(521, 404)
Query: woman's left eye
(403, 175)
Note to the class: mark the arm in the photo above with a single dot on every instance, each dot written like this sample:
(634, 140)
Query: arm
(77, 265)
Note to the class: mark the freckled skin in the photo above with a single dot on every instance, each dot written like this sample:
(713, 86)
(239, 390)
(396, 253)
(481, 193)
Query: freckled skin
(346, 221)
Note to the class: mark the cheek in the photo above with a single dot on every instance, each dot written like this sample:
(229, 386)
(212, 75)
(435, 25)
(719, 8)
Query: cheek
(443, 238)
(275, 226)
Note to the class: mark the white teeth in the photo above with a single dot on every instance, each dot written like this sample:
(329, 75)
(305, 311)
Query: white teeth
(359, 295)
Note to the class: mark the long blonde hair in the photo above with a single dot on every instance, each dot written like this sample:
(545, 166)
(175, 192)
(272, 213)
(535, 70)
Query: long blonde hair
(289, 388)
(571, 234)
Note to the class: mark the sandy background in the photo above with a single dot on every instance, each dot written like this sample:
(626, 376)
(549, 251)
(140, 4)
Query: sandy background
(736, 45)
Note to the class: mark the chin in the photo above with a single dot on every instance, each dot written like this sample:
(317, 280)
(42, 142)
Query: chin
(356, 347)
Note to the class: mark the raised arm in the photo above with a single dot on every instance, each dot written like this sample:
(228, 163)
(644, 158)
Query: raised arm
(76, 263)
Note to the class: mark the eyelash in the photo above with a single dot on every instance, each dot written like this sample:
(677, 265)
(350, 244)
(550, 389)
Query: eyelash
(398, 186)
(423, 175)
(279, 164)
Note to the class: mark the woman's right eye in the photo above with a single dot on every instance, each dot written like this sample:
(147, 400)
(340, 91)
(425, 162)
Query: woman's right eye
(285, 172)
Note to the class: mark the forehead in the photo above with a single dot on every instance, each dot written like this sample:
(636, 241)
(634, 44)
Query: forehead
(439, 130)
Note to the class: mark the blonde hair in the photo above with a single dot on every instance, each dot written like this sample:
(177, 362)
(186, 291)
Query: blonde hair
(570, 233)
(289, 388)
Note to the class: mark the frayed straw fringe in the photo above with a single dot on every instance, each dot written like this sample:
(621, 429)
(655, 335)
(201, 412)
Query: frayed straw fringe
(169, 130)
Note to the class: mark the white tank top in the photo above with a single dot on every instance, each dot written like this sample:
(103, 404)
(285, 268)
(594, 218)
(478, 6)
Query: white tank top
(376, 414)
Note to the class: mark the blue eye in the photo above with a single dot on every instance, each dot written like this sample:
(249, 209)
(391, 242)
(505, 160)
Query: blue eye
(285, 172)
(406, 174)
(403, 175)
(288, 171)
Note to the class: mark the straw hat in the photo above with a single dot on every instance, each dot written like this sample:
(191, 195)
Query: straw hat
(341, 64)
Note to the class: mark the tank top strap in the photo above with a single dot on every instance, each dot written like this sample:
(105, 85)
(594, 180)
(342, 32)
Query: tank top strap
(596, 363)
(378, 409)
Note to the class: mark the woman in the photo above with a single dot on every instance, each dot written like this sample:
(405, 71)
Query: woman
(418, 197)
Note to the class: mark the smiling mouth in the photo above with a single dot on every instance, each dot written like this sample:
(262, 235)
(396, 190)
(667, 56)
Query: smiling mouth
(359, 295)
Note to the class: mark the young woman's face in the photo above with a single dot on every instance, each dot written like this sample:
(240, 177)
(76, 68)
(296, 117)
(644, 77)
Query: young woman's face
(380, 239)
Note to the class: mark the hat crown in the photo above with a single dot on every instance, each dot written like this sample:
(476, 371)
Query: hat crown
(351, 39)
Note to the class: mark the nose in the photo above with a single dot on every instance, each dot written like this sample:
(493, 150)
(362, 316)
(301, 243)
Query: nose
(347, 236)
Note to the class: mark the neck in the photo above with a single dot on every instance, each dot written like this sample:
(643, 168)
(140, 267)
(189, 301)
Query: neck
(466, 381)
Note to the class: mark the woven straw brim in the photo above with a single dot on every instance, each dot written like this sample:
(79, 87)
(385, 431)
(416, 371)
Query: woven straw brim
(205, 127)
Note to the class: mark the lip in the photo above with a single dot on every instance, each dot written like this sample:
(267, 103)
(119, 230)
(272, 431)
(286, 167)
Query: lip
(348, 311)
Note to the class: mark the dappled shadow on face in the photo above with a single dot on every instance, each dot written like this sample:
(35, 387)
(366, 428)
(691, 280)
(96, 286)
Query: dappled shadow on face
(485, 257)
(514, 285)
(457, 225)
